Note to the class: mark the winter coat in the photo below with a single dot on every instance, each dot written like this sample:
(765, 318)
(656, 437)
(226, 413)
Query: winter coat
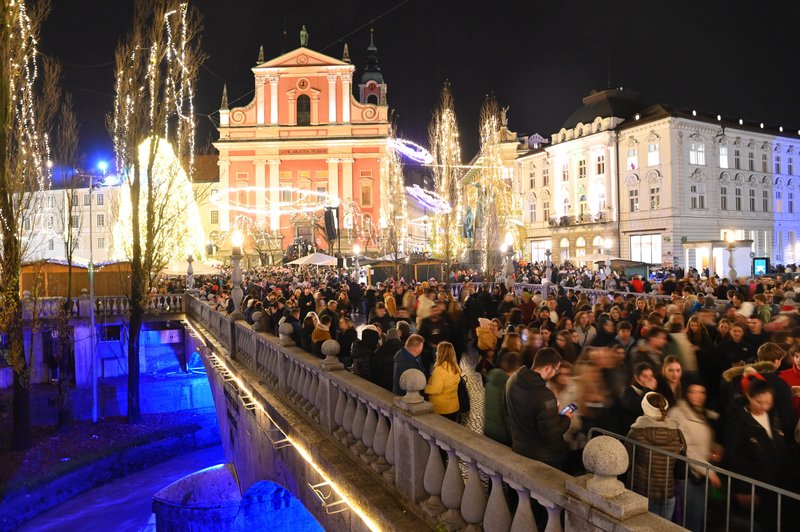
(391, 304)
(585, 336)
(630, 405)
(495, 423)
(383, 363)
(791, 377)
(442, 390)
(403, 361)
(661, 478)
(750, 451)
(698, 433)
(537, 431)
(363, 352)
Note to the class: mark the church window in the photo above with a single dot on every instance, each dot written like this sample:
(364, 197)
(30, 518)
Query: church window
(303, 110)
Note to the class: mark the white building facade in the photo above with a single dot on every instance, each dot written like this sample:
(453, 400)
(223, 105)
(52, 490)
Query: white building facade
(664, 186)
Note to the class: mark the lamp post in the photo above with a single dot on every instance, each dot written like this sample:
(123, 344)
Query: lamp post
(731, 248)
(507, 249)
(236, 276)
(356, 253)
(608, 243)
(190, 274)
(548, 271)
(103, 166)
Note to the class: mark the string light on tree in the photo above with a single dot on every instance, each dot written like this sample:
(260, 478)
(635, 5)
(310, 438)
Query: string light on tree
(303, 200)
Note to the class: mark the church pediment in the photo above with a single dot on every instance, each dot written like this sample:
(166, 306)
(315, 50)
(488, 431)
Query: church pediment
(301, 57)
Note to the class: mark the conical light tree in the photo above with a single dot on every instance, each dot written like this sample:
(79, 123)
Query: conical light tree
(448, 242)
(394, 207)
(156, 68)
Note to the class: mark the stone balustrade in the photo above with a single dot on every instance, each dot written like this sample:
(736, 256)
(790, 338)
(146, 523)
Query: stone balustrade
(402, 444)
(105, 306)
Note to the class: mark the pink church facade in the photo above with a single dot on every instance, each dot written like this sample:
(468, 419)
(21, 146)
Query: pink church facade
(305, 131)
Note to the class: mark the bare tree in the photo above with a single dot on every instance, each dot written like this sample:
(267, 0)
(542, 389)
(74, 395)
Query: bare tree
(394, 209)
(26, 109)
(156, 68)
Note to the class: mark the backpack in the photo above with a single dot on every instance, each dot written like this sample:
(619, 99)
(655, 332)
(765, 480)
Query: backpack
(463, 396)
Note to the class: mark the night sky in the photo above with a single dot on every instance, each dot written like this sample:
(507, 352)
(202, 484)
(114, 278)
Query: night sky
(540, 58)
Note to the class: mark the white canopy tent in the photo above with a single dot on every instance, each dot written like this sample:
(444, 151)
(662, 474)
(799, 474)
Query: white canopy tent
(315, 259)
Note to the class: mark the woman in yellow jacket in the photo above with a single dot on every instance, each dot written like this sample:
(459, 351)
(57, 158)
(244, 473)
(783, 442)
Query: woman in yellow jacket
(442, 388)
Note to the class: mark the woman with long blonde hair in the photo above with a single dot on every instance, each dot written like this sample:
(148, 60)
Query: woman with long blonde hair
(442, 388)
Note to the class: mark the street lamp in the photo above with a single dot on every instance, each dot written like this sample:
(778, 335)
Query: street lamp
(507, 248)
(236, 276)
(731, 238)
(608, 243)
(548, 252)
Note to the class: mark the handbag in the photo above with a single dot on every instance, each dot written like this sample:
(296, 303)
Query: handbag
(463, 396)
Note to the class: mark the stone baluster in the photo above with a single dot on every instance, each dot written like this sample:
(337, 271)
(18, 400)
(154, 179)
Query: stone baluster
(452, 491)
(432, 481)
(305, 387)
(523, 517)
(291, 379)
(553, 518)
(368, 437)
(319, 394)
(347, 423)
(312, 395)
(358, 427)
(473, 502)
(388, 455)
(338, 415)
(297, 385)
(379, 443)
(497, 517)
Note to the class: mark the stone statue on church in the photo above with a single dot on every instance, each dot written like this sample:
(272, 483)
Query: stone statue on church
(469, 225)
(303, 37)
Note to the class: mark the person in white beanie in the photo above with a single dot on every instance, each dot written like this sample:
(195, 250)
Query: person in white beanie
(654, 473)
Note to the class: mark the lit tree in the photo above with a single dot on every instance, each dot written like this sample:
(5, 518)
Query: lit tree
(156, 68)
(447, 241)
(394, 209)
(25, 116)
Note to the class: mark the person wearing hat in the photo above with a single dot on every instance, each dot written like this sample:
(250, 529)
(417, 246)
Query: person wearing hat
(654, 473)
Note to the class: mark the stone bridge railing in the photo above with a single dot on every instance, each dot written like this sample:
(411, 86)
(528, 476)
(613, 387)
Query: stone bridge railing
(402, 446)
(105, 306)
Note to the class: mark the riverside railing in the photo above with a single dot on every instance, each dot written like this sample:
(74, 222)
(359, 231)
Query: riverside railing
(747, 517)
(105, 306)
(403, 446)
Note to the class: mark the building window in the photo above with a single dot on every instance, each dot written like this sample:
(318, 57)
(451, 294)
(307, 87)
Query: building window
(698, 196)
(633, 200)
(101, 243)
(790, 165)
(566, 206)
(778, 201)
(764, 162)
(697, 153)
(765, 201)
(286, 197)
(601, 200)
(532, 212)
(75, 221)
(778, 164)
(580, 247)
(49, 222)
(546, 210)
(101, 220)
(583, 205)
(655, 198)
(737, 160)
(723, 156)
(752, 200)
(99, 199)
(214, 217)
(74, 200)
(87, 200)
(751, 161)
(565, 172)
(790, 202)
(598, 244)
(652, 154)
(366, 195)
(532, 181)
(51, 245)
(545, 177)
(633, 160)
(303, 110)
(646, 248)
(601, 164)
(563, 249)
(723, 198)
(581, 168)
(539, 250)
(737, 198)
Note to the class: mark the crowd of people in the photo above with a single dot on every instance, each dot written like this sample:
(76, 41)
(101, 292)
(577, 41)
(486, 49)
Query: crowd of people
(698, 366)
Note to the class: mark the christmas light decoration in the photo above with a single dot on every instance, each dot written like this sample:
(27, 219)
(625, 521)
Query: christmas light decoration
(394, 208)
(303, 200)
(409, 149)
(448, 240)
(429, 200)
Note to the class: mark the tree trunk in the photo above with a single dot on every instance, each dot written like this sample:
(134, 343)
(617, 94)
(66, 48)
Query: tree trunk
(64, 383)
(137, 315)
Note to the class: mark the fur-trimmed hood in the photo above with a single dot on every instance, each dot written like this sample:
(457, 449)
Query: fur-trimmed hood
(734, 373)
(647, 422)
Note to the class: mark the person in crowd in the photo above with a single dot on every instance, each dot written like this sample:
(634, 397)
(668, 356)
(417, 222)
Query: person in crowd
(723, 331)
(792, 377)
(364, 353)
(669, 379)
(495, 420)
(735, 351)
(650, 349)
(442, 388)
(307, 331)
(306, 302)
(407, 358)
(435, 329)
(654, 473)
(566, 389)
(625, 339)
(346, 336)
(755, 335)
(565, 347)
(696, 423)
(381, 316)
(644, 381)
(537, 429)
(585, 329)
(606, 331)
(383, 361)
(322, 332)
(425, 305)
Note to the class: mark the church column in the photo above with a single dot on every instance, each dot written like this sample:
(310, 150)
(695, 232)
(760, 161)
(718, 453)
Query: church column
(274, 194)
(347, 78)
(332, 98)
(260, 101)
(611, 191)
(333, 177)
(273, 100)
(224, 192)
(261, 183)
(347, 179)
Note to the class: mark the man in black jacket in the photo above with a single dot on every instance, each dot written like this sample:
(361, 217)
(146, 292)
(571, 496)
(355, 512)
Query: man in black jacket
(537, 429)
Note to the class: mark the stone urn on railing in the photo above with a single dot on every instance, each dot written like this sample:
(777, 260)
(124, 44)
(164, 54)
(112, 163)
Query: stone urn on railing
(413, 381)
(331, 350)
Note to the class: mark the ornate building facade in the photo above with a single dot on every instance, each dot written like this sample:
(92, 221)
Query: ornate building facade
(303, 138)
(663, 185)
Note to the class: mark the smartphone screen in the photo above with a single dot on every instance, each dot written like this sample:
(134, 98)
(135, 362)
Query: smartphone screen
(569, 408)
